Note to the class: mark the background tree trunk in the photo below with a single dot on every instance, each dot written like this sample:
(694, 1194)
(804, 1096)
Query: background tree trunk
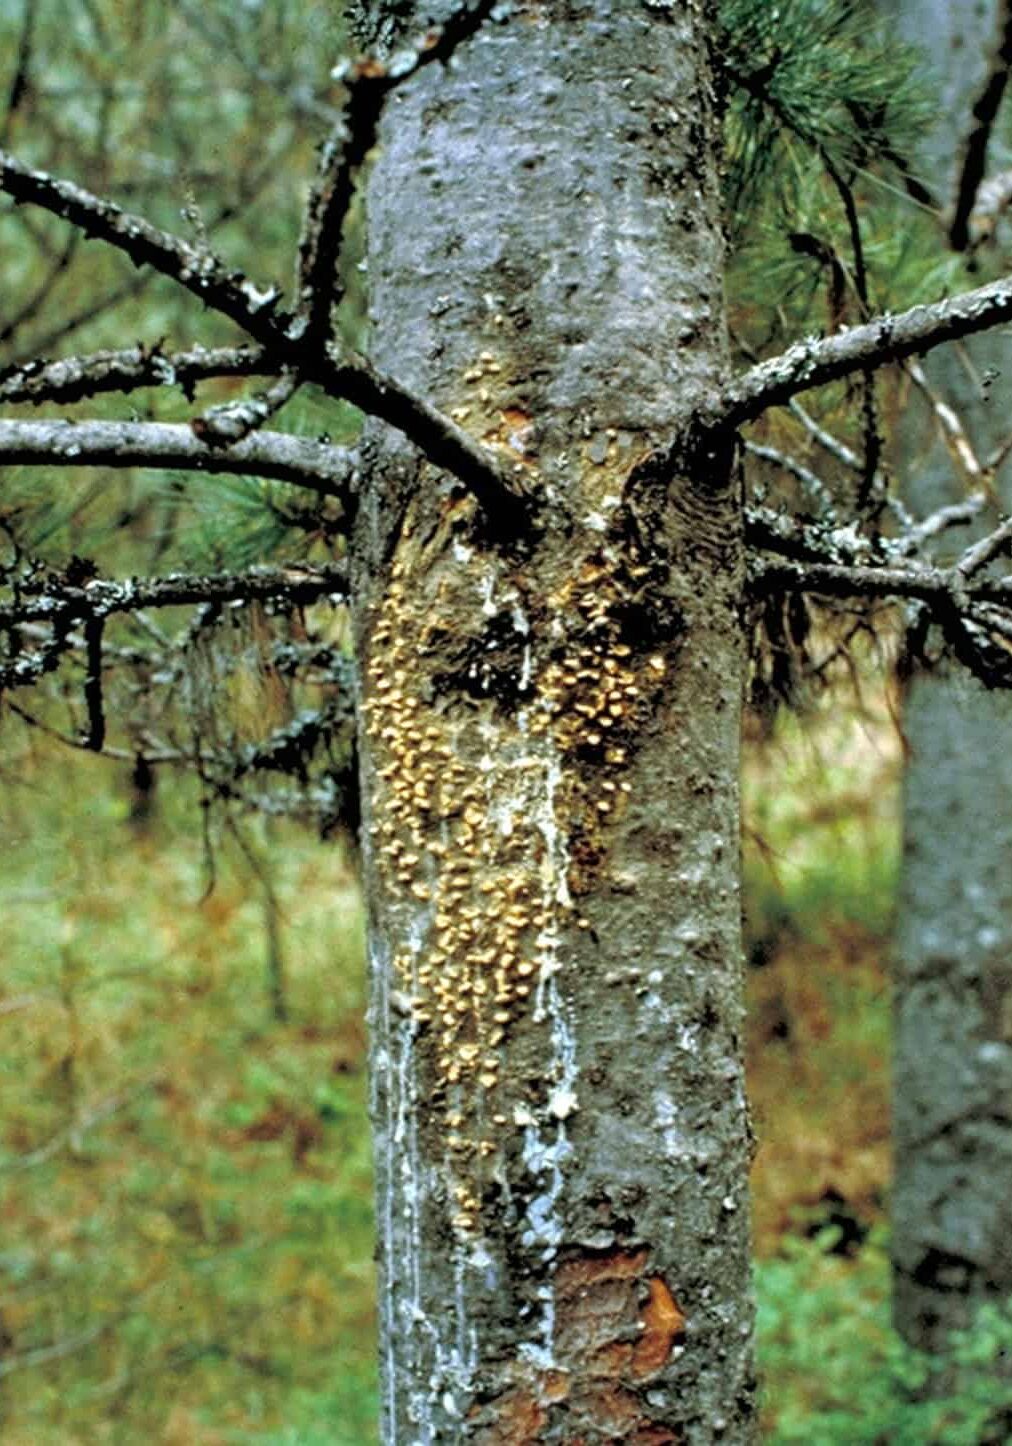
(550, 754)
(952, 1208)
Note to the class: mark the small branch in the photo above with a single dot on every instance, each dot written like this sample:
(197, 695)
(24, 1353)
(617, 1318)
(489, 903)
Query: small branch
(985, 110)
(299, 98)
(21, 82)
(83, 316)
(921, 584)
(151, 755)
(33, 304)
(826, 440)
(957, 443)
(873, 442)
(817, 361)
(955, 514)
(197, 270)
(101, 598)
(76, 377)
(368, 83)
(328, 470)
(977, 557)
(232, 421)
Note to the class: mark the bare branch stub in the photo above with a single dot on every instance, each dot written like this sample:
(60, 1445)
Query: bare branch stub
(225, 425)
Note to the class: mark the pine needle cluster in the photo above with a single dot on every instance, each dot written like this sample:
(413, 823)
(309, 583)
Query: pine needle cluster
(807, 79)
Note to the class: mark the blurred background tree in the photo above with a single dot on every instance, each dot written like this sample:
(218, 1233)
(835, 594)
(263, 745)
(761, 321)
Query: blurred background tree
(952, 1212)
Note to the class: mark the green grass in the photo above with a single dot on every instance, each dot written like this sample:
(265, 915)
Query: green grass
(836, 1374)
(179, 1173)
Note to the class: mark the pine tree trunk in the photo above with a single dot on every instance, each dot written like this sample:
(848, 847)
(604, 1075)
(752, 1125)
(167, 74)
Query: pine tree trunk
(550, 753)
(952, 1207)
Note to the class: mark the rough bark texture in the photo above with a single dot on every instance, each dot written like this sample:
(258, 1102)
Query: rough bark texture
(952, 1208)
(551, 753)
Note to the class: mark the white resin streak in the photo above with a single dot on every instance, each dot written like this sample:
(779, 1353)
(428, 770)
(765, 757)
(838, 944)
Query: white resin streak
(521, 785)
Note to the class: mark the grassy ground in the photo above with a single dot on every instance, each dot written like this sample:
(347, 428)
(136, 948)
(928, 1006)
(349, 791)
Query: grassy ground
(184, 1181)
(185, 1254)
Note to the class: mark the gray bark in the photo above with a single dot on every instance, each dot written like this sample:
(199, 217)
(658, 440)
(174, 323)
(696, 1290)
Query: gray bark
(952, 1206)
(550, 753)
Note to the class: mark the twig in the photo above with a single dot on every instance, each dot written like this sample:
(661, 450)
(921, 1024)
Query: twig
(152, 756)
(953, 432)
(76, 377)
(82, 317)
(984, 112)
(34, 303)
(95, 737)
(873, 442)
(300, 99)
(977, 556)
(825, 439)
(956, 514)
(20, 81)
(814, 486)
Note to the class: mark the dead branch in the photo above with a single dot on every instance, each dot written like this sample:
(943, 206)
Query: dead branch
(329, 470)
(817, 361)
(75, 377)
(198, 270)
(917, 583)
(368, 82)
(102, 598)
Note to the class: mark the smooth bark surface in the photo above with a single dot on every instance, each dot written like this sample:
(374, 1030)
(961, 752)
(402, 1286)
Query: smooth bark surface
(952, 1207)
(551, 754)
